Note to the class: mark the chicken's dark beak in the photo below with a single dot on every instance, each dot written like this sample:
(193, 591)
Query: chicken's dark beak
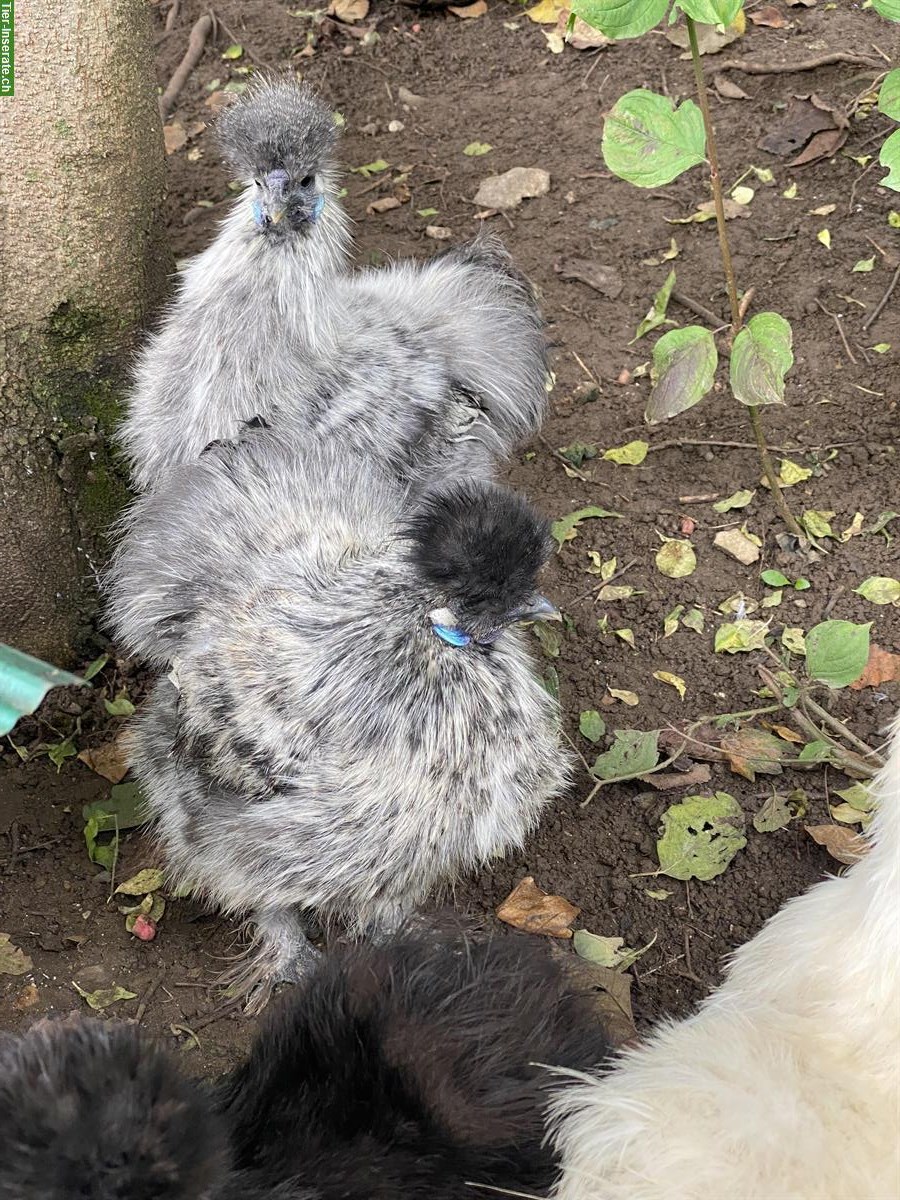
(537, 608)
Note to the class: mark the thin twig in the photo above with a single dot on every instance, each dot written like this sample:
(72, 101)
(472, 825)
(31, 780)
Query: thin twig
(856, 182)
(562, 458)
(235, 39)
(806, 64)
(172, 15)
(196, 42)
(678, 443)
(701, 310)
(148, 996)
(841, 729)
(880, 306)
(603, 583)
(217, 1014)
(840, 329)
(593, 67)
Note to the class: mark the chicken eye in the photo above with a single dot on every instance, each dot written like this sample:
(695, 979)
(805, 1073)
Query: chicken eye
(306, 180)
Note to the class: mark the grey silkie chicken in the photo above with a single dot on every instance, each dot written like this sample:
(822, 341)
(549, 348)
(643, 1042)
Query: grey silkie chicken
(270, 321)
(406, 1072)
(351, 718)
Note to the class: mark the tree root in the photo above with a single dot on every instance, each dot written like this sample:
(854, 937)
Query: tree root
(196, 43)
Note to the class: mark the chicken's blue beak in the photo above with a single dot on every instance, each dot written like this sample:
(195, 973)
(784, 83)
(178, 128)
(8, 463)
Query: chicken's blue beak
(536, 608)
(271, 203)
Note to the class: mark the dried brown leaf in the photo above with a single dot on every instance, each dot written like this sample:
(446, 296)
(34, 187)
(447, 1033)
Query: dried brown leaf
(468, 12)
(348, 11)
(605, 280)
(882, 667)
(174, 136)
(528, 908)
(728, 89)
(769, 16)
(13, 961)
(385, 204)
(840, 842)
(109, 760)
(670, 781)
(811, 129)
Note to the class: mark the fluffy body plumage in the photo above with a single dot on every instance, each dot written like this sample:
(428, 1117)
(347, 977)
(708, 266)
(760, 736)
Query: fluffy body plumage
(400, 1072)
(786, 1084)
(269, 322)
(316, 745)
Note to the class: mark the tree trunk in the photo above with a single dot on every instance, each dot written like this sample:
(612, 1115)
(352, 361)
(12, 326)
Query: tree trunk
(83, 181)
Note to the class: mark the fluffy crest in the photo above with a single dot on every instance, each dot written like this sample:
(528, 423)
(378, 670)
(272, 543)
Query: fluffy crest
(88, 1109)
(479, 547)
(278, 125)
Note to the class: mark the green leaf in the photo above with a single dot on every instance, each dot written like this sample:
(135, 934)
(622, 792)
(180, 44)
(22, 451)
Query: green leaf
(774, 814)
(632, 753)
(477, 149)
(674, 681)
(58, 752)
(683, 371)
(577, 453)
(735, 500)
(741, 636)
(591, 725)
(864, 265)
(426, 212)
(817, 523)
(632, 454)
(120, 707)
(791, 473)
(149, 880)
(880, 589)
(793, 639)
(550, 638)
(232, 52)
(604, 951)
(670, 623)
(566, 528)
(889, 9)
(371, 168)
(649, 142)
(694, 620)
(837, 652)
(96, 666)
(760, 359)
(657, 314)
(889, 96)
(775, 579)
(890, 157)
(621, 19)
(676, 558)
(701, 836)
(711, 12)
(858, 796)
(104, 997)
(816, 752)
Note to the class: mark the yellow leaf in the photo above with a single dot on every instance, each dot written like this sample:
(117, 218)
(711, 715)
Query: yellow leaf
(674, 681)
(629, 698)
(824, 237)
(632, 454)
(546, 12)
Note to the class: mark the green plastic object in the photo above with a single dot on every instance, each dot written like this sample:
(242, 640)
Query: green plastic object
(24, 682)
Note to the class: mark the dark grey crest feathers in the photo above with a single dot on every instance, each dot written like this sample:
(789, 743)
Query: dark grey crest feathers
(277, 126)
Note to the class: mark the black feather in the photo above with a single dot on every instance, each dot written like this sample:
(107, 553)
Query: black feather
(480, 547)
(410, 1070)
(89, 1110)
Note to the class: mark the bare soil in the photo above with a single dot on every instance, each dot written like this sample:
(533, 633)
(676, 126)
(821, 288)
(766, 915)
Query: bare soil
(493, 79)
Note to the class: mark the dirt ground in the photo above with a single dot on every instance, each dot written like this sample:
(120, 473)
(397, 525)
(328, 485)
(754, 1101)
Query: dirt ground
(493, 79)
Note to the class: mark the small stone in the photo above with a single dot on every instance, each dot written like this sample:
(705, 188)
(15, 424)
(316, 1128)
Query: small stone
(512, 187)
(395, 126)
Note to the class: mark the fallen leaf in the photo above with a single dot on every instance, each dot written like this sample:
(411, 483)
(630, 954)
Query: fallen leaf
(607, 281)
(633, 753)
(120, 707)
(534, 911)
(880, 589)
(470, 11)
(824, 236)
(751, 752)
(13, 961)
(741, 636)
(787, 735)
(582, 36)
(794, 639)
(864, 265)
(676, 559)
(775, 814)
(547, 12)
(742, 194)
(671, 620)
(707, 212)
(566, 528)
(109, 760)
(847, 814)
(591, 725)
(882, 667)
(738, 545)
(694, 620)
(627, 636)
(512, 187)
(613, 1002)
(629, 698)
(674, 681)
(367, 170)
(700, 836)
(233, 52)
(632, 454)
(620, 591)
(477, 149)
(841, 843)
(149, 880)
(27, 998)
(710, 38)
(811, 126)
(440, 233)
(825, 211)
(817, 522)
(550, 638)
(174, 136)
(103, 998)
(768, 16)
(348, 11)
(555, 41)
(727, 89)
(665, 255)
(385, 204)
(670, 781)
(858, 796)
(608, 952)
(736, 500)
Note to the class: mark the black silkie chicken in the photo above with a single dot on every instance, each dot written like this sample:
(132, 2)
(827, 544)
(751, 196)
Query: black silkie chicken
(270, 322)
(400, 1073)
(351, 718)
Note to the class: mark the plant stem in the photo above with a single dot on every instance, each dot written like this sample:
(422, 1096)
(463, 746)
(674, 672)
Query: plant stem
(715, 180)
